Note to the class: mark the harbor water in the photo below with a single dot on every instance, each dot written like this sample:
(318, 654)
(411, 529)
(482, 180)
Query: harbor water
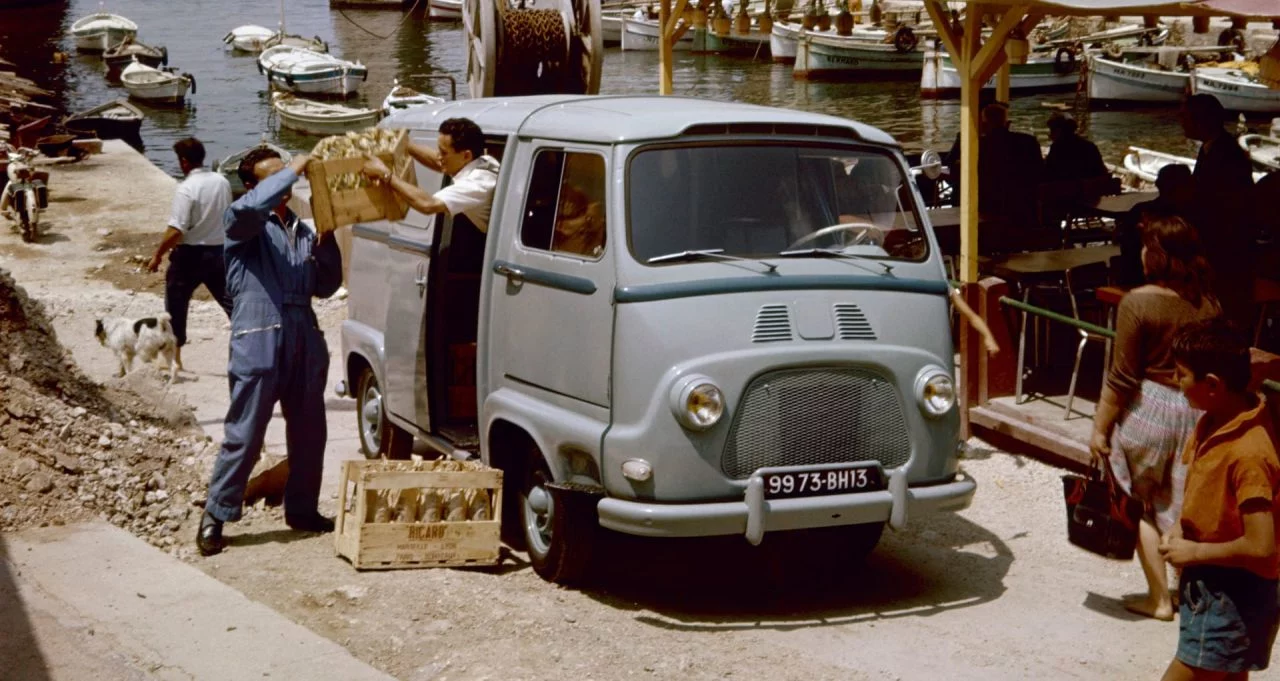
(231, 109)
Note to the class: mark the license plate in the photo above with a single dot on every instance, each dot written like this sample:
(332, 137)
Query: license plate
(854, 478)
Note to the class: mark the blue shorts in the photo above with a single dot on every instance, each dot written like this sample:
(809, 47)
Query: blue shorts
(1227, 620)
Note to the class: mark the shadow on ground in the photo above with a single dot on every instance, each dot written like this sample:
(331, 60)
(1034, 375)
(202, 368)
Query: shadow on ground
(20, 656)
(795, 582)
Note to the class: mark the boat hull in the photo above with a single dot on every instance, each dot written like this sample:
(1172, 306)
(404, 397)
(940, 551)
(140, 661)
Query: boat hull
(822, 57)
(782, 43)
(1236, 94)
(444, 10)
(939, 77)
(1111, 81)
(642, 36)
(170, 92)
(328, 126)
(335, 83)
(124, 124)
(102, 39)
(611, 30)
(751, 45)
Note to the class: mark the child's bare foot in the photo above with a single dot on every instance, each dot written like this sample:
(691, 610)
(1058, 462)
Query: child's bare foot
(1143, 605)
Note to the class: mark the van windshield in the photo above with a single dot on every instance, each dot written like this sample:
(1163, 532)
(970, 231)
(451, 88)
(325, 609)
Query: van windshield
(760, 200)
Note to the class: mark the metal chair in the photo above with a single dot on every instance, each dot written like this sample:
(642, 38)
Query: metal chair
(1085, 280)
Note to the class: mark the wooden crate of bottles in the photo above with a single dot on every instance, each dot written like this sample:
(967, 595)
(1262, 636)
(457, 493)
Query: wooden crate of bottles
(407, 514)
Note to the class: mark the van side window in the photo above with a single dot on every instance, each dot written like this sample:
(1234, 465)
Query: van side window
(564, 210)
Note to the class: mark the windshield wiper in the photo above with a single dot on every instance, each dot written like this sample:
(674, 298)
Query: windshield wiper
(706, 253)
(833, 253)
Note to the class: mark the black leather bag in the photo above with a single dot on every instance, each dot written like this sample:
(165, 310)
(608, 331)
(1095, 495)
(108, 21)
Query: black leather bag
(1101, 517)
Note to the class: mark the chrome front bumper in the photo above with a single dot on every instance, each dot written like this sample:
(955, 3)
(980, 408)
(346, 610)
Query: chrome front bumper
(753, 516)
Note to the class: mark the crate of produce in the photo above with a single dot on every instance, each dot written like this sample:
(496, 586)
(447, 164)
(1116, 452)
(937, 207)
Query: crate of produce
(340, 195)
(408, 514)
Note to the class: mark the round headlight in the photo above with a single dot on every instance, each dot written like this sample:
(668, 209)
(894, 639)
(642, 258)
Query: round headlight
(697, 403)
(935, 390)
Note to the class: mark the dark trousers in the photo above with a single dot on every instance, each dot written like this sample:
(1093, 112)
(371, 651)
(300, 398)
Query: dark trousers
(189, 268)
(288, 363)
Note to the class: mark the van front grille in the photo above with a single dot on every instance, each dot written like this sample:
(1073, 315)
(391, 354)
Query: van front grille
(801, 417)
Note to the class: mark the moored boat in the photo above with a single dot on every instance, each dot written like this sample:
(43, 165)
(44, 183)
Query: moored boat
(827, 56)
(255, 39)
(156, 86)
(229, 166)
(444, 10)
(1134, 82)
(113, 120)
(402, 97)
(611, 29)
(1263, 149)
(1145, 164)
(752, 44)
(304, 71)
(1040, 73)
(643, 35)
(98, 32)
(320, 118)
(129, 51)
(1236, 89)
(784, 37)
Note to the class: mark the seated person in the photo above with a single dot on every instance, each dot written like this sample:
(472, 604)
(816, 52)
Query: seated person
(1071, 157)
(1010, 170)
(1175, 199)
(579, 224)
(459, 153)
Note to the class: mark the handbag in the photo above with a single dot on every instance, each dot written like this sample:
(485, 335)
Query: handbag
(1101, 517)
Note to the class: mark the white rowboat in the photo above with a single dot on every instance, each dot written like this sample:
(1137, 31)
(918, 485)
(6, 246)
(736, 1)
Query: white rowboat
(303, 71)
(320, 118)
(1236, 90)
(1128, 82)
(403, 97)
(822, 56)
(99, 32)
(444, 10)
(642, 35)
(1263, 149)
(161, 86)
(1040, 73)
(1145, 164)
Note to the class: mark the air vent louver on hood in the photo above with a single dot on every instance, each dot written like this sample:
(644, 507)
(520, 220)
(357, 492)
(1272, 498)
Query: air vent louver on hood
(851, 324)
(773, 324)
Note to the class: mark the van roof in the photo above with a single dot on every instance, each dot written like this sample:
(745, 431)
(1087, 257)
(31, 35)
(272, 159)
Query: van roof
(608, 119)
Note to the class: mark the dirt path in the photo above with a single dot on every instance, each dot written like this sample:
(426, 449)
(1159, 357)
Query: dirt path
(993, 593)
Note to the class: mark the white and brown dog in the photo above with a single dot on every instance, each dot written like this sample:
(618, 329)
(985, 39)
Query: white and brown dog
(146, 338)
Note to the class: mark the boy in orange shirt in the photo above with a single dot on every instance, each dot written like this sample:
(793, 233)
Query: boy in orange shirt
(1226, 541)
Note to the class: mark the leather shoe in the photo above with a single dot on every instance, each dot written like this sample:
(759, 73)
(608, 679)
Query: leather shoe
(313, 522)
(209, 539)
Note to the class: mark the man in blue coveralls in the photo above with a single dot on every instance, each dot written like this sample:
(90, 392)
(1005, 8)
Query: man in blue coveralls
(275, 265)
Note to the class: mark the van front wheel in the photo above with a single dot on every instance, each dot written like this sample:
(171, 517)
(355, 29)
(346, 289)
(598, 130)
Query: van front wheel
(379, 437)
(559, 525)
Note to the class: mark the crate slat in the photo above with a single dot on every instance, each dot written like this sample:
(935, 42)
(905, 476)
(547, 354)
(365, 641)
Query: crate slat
(332, 209)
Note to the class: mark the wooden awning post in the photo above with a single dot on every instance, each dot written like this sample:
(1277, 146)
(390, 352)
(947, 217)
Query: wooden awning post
(1002, 82)
(671, 31)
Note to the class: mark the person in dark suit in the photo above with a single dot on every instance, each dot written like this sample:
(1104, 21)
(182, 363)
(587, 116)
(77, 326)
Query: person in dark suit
(1223, 182)
(1071, 157)
(1176, 199)
(1010, 169)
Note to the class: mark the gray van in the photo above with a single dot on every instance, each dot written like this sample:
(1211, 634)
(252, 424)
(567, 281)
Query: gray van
(687, 318)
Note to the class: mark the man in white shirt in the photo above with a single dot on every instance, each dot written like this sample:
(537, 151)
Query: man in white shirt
(459, 153)
(194, 239)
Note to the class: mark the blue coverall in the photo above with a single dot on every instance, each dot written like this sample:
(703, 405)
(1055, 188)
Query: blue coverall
(277, 349)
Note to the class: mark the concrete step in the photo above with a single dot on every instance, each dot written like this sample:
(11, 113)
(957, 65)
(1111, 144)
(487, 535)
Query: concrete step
(93, 601)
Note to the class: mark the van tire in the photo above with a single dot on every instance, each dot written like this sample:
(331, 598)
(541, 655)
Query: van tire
(560, 537)
(379, 437)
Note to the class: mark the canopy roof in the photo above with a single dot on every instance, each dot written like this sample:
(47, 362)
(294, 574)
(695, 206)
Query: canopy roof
(1261, 9)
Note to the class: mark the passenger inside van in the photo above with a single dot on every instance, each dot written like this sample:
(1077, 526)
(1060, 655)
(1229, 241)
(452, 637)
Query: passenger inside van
(579, 224)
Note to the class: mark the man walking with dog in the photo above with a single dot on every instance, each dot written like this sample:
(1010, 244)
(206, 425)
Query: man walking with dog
(275, 264)
(193, 239)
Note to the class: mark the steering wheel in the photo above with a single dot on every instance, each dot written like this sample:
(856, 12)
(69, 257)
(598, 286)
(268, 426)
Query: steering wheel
(864, 229)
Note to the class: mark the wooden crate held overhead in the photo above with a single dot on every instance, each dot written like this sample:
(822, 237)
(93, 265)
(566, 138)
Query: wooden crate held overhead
(332, 208)
(385, 521)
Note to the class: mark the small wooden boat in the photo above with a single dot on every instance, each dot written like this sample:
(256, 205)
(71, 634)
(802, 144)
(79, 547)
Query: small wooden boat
(1236, 89)
(304, 71)
(642, 35)
(403, 97)
(113, 120)
(752, 44)
(157, 86)
(1134, 82)
(55, 145)
(444, 10)
(785, 36)
(320, 118)
(98, 32)
(1263, 149)
(830, 56)
(1042, 72)
(1145, 164)
(254, 39)
(129, 51)
(229, 166)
